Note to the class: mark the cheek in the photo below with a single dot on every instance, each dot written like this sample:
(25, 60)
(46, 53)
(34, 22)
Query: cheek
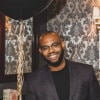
(58, 50)
(44, 54)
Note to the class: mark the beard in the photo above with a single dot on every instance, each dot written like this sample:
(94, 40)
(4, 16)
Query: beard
(57, 63)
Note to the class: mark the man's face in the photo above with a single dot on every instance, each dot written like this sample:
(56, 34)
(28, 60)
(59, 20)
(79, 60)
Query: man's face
(51, 48)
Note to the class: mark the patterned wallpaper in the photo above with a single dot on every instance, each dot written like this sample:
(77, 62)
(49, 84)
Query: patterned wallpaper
(73, 20)
(12, 30)
(70, 18)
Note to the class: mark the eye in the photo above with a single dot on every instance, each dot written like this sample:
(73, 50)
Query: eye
(54, 45)
(44, 48)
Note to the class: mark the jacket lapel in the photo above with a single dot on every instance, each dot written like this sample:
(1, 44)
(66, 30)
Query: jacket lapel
(52, 86)
(73, 85)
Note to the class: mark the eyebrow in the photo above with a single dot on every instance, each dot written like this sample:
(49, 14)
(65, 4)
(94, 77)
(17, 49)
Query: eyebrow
(58, 42)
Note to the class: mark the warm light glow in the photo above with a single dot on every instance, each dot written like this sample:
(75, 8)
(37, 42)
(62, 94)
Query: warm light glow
(96, 13)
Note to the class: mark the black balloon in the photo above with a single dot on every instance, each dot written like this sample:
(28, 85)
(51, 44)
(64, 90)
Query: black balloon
(23, 9)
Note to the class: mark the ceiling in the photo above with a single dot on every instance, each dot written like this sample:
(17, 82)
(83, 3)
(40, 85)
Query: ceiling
(23, 9)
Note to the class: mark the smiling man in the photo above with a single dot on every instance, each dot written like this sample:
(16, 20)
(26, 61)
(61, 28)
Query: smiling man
(60, 79)
(52, 50)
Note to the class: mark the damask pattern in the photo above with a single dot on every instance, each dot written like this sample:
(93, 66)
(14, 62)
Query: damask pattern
(12, 28)
(74, 22)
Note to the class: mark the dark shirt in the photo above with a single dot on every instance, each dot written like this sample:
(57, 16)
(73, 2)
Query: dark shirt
(61, 81)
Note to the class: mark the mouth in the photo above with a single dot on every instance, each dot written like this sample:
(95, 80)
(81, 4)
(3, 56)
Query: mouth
(53, 57)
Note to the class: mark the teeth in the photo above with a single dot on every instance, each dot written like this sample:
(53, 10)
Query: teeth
(52, 56)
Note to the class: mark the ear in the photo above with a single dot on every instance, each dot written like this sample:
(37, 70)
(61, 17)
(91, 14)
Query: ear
(63, 44)
(40, 50)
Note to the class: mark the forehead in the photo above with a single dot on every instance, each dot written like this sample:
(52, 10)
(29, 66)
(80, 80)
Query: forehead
(49, 39)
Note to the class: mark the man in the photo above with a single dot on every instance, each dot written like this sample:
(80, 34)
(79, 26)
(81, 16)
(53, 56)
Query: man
(60, 79)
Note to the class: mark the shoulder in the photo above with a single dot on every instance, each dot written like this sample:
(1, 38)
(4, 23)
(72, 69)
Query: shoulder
(79, 65)
(80, 68)
(37, 74)
(82, 71)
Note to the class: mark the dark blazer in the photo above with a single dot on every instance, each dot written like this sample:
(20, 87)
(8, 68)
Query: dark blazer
(83, 84)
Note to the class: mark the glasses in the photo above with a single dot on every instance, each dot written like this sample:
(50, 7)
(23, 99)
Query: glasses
(53, 46)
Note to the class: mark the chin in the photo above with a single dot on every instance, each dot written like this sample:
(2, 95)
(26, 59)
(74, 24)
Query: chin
(55, 64)
(54, 61)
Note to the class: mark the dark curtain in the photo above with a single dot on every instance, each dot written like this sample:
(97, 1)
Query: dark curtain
(39, 26)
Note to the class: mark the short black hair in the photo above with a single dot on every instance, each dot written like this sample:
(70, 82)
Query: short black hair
(49, 32)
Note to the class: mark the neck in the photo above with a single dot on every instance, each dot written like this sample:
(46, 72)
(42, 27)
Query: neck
(58, 68)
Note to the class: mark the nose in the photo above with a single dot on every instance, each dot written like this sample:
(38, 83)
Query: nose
(51, 49)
